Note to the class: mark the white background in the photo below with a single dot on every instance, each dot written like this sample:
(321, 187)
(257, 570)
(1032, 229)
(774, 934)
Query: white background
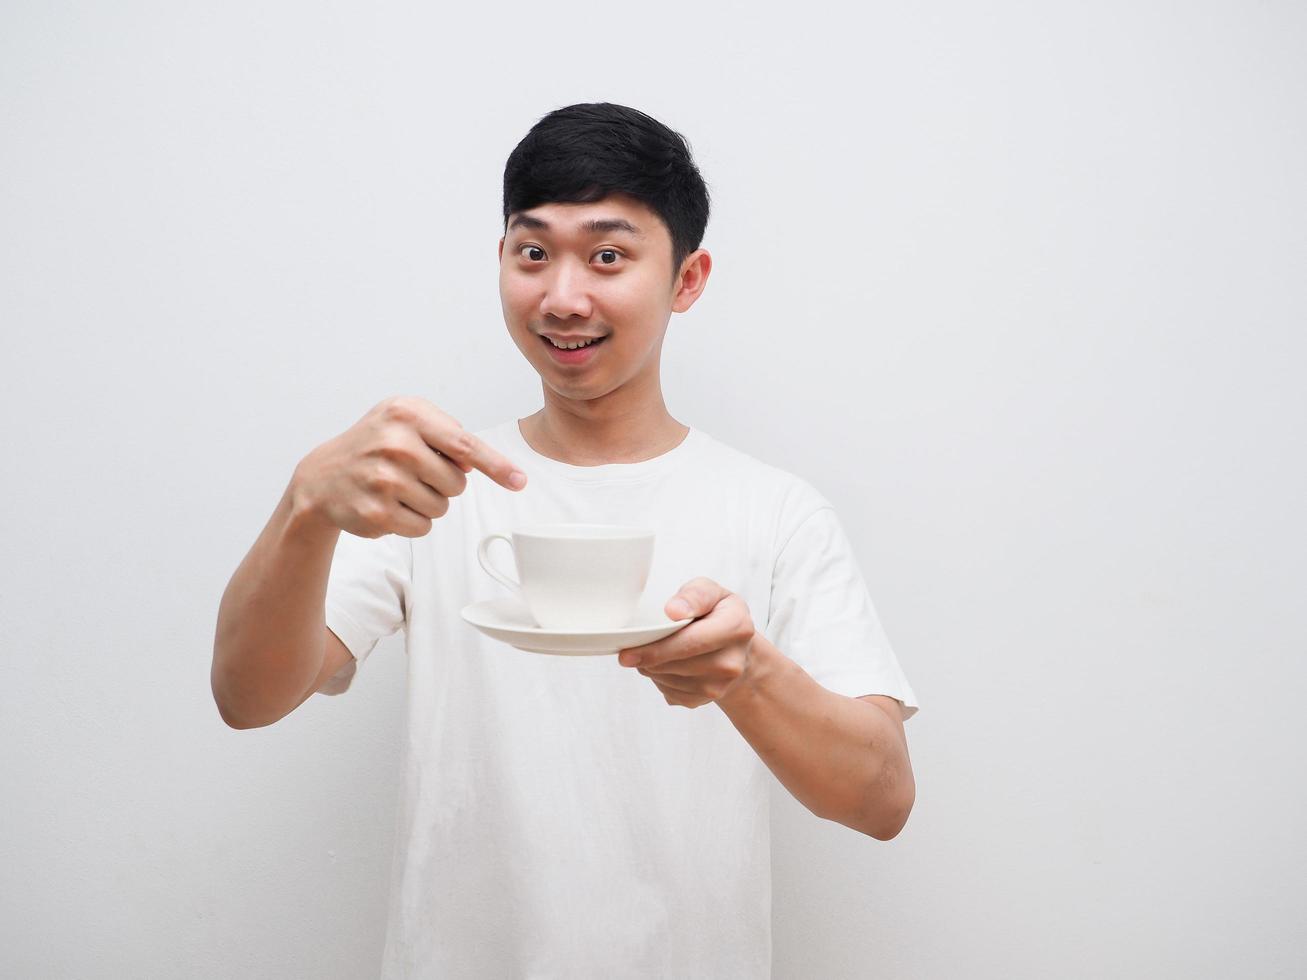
(1020, 287)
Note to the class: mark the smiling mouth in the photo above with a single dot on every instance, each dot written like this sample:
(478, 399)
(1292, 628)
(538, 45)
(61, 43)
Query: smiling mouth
(573, 351)
(593, 343)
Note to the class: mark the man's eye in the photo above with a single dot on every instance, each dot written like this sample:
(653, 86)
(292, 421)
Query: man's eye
(530, 249)
(608, 252)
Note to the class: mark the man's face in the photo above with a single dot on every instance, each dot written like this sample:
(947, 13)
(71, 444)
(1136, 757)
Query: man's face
(577, 271)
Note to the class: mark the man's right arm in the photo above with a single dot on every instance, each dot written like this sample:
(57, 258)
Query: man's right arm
(392, 472)
(272, 645)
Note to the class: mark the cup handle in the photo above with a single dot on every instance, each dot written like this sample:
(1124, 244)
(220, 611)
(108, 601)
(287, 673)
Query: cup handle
(483, 556)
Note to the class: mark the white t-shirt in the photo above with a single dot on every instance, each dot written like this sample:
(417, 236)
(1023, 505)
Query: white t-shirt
(558, 818)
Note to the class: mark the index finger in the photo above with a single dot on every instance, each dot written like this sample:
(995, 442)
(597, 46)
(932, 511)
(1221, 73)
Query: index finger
(468, 452)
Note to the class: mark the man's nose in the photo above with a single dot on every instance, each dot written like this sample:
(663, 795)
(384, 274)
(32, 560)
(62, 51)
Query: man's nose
(566, 293)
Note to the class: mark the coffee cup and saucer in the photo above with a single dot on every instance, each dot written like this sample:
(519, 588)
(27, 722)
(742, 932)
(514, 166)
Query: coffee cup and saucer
(579, 591)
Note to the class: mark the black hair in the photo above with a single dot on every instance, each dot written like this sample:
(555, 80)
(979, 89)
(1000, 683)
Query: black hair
(582, 153)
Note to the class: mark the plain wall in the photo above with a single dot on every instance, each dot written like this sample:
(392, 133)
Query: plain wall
(1020, 287)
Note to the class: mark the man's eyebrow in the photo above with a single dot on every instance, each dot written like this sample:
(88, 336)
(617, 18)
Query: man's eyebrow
(593, 225)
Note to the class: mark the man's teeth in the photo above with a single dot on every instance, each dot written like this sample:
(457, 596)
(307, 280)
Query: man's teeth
(585, 343)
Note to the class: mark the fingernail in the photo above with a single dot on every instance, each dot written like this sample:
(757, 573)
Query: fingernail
(679, 608)
(517, 479)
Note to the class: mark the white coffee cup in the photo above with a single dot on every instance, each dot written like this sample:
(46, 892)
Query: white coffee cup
(576, 576)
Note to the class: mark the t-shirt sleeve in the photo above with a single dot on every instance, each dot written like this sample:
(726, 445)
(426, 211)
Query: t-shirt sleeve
(822, 616)
(367, 596)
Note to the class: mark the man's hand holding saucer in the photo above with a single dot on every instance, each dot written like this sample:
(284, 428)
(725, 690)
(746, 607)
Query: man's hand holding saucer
(707, 660)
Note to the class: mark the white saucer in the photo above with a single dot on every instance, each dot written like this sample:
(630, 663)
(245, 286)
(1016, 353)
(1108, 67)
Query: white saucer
(509, 620)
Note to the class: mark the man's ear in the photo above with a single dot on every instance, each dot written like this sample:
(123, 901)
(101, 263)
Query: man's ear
(692, 279)
(501, 250)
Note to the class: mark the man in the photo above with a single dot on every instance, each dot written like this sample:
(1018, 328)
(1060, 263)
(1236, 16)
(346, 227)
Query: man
(559, 817)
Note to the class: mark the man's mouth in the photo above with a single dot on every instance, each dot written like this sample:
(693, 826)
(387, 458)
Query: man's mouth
(571, 345)
(573, 355)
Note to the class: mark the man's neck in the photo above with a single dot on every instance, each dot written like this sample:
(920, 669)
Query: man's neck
(630, 438)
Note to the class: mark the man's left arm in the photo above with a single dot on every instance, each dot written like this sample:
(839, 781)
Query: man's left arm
(845, 759)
